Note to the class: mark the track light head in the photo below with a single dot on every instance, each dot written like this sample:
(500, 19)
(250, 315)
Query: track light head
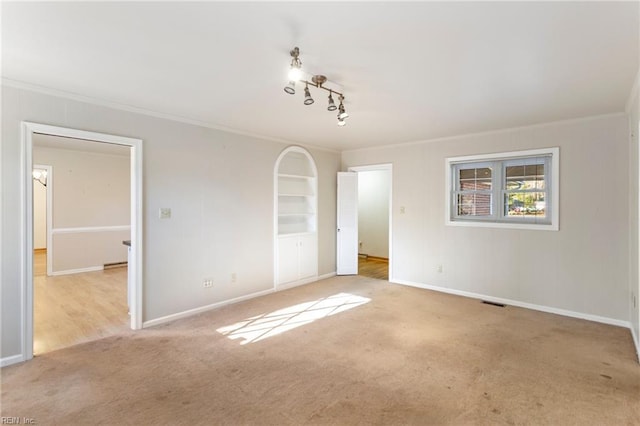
(308, 100)
(290, 88)
(341, 121)
(295, 72)
(342, 114)
(332, 105)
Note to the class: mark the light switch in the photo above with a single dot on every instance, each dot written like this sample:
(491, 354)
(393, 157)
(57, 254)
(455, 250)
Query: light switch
(402, 210)
(165, 213)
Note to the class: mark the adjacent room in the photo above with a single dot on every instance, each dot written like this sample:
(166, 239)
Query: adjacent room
(320, 212)
(81, 220)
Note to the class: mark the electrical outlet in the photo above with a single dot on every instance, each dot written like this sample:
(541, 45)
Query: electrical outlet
(234, 277)
(164, 213)
(440, 268)
(402, 210)
(207, 283)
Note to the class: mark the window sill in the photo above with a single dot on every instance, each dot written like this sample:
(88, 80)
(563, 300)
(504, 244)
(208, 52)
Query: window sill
(504, 225)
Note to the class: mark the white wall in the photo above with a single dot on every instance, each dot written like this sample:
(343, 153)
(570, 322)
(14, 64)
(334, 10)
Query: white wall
(91, 203)
(373, 212)
(39, 216)
(220, 189)
(581, 268)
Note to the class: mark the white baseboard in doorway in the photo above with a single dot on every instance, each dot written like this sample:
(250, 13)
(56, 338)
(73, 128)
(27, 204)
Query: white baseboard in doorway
(78, 271)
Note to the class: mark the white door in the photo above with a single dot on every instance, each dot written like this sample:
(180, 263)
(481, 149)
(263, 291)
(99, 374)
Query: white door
(347, 221)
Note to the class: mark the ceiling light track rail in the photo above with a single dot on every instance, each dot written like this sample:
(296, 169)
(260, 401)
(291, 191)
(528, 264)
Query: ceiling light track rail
(317, 81)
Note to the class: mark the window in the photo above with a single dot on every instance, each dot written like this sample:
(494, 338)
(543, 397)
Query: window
(509, 190)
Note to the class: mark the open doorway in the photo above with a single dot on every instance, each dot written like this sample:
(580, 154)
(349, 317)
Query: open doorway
(374, 220)
(42, 183)
(80, 262)
(65, 268)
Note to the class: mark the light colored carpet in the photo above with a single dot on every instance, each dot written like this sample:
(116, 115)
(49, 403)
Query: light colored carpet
(406, 356)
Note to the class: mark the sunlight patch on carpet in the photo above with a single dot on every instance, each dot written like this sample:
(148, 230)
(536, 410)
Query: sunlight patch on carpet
(267, 325)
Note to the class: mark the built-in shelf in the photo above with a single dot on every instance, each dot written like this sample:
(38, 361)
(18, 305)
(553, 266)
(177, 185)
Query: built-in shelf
(296, 192)
(283, 175)
(296, 220)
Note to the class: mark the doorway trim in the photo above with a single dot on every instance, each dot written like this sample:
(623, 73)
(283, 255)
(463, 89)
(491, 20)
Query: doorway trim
(636, 333)
(381, 167)
(135, 273)
(48, 214)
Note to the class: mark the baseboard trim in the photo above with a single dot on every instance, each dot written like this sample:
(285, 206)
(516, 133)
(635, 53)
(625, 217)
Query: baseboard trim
(636, 341)
(10, 360)
(78, 271)
(325, 276)
(190, 312)
(541, 308)
(298, 283)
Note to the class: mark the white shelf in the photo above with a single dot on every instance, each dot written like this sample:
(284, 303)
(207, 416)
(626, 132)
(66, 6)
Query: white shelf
(284, 175)
(291, 234)
(296, 218)
(289, 186)
(294, 195)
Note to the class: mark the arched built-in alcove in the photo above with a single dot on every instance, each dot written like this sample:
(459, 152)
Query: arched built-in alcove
(296, 218)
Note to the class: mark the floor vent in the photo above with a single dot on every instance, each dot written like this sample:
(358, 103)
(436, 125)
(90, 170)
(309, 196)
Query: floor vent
(114, 265)
(500, 305)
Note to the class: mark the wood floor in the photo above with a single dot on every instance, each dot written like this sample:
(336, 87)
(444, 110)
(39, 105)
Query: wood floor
(373, 267)
(71, 309)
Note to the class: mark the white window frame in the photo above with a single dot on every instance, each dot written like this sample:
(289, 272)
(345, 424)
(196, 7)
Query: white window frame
(498, 219)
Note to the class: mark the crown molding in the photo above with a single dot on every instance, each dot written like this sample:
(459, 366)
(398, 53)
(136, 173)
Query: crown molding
(494, 132)
(137, 110)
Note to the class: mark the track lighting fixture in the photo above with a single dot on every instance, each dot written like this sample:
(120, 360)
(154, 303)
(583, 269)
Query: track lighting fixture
(295, 72)
(332, 105)
(290, 88)
(296, 75)
(308, 100)
(342, 114)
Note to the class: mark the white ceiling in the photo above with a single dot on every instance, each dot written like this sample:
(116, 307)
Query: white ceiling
(410, 71)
